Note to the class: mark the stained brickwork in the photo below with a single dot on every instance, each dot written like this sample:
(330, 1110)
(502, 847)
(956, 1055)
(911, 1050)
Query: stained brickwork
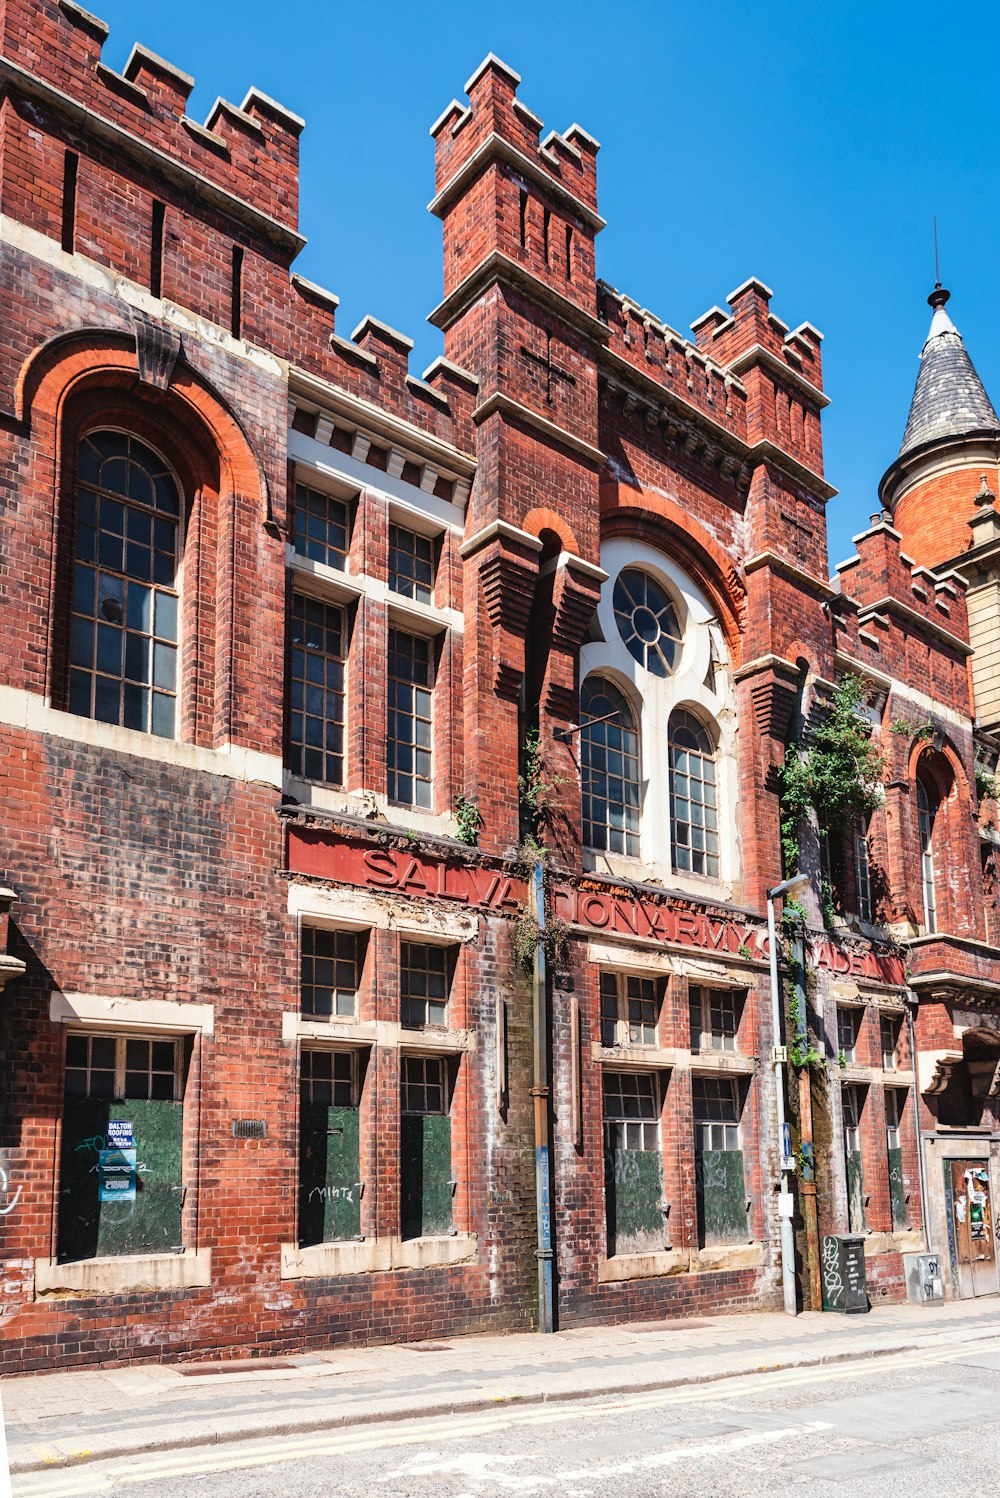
(161, 886)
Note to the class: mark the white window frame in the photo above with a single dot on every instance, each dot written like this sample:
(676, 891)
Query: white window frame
(701, 683)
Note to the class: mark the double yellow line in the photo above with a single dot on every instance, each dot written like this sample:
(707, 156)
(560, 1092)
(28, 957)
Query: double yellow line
(77, 1481)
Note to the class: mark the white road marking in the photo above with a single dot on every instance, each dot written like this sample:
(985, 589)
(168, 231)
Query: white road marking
(83, 1480)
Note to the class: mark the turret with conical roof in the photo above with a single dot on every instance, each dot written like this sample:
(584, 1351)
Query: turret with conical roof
(952, 436)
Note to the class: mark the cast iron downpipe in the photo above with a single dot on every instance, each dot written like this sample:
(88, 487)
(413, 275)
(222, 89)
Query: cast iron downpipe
(788, 887)
(540, 1096)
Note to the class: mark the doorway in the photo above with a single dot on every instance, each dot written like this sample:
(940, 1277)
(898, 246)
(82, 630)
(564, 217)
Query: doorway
(971, 1227)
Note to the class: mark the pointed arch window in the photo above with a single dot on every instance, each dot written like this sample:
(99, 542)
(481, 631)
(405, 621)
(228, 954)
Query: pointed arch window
(694, 798)
(123, 627)
(927, 806)
(609, 768)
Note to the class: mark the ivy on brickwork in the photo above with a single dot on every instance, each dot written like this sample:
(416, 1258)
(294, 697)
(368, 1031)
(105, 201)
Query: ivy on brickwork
(987, 781)
(835, 772)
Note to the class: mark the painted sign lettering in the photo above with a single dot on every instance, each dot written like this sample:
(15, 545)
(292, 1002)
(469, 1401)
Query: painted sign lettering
(605, 910)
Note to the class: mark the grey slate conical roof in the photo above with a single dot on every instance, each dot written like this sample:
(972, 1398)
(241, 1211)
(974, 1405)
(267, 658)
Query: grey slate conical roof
(949, 399)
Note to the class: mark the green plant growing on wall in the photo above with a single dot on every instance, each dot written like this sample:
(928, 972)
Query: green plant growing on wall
(827, 901)
(835, 772)
(743, 951)
(469, 819)
(793, 915)
(922, 732)
(801, 1050)
(528, 935)
(536, 785)
(842, 1059)
(987, 782)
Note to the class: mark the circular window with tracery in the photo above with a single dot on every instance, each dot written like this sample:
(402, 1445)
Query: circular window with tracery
(647, 621)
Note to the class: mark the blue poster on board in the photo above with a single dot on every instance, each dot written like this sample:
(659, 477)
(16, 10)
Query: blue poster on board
(116, 1175)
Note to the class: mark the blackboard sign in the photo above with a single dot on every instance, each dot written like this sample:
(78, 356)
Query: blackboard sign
(845, 1287)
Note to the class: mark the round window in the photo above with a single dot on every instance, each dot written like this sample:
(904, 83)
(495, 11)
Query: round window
(647, 621)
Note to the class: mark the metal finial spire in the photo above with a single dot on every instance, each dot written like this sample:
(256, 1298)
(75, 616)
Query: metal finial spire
(938, 296)
(937, 262)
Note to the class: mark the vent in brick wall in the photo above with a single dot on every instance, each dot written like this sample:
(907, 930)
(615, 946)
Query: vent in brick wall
(249, 1128)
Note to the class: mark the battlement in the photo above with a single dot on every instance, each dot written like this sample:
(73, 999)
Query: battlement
(661, 353)
(509, 200)
(244, 159)
(883, 583)
(494, 114)
(750, 331)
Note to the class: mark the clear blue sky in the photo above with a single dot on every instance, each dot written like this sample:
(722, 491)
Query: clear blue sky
(807, 144)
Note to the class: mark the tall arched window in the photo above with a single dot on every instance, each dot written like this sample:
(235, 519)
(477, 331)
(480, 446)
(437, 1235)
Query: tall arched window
(123, 629)
(694, 802)
(927, 805)
(609, 769)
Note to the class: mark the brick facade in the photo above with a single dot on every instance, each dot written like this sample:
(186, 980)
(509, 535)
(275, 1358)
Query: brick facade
(384, 596)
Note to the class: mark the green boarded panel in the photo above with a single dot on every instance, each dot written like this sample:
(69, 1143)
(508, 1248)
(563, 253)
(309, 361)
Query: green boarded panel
(722, 1196)
(633, 1182)
(897, 1195)
(148, 1223)
(425, 1177)
(329, 1188)
(855, 1192)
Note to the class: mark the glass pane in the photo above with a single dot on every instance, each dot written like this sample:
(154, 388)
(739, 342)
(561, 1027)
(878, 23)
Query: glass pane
(163, 715)
(166, 616)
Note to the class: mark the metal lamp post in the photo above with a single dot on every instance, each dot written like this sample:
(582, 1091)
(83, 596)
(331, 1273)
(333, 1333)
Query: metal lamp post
(789, 887)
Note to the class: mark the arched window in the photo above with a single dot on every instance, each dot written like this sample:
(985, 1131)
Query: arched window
(927, 805)
(609, 769)
(694, 804)
(123, 628)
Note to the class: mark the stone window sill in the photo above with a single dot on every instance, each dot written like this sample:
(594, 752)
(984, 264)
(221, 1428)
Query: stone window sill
(375, 1256)
(676, 1261)
(126, 1274)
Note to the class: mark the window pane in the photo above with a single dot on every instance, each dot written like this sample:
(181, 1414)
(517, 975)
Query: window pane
(424, 973)
(609, 776)
(647, 621)
(120, 492)
(317, 645)
(411, 564)
(331, 968)
(694, 821)
(410, 768)
(320, 527)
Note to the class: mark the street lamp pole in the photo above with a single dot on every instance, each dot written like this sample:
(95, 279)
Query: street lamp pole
(790, 887)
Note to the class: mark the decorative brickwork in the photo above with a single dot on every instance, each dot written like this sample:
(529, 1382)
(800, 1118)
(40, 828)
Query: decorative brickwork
(358, 757)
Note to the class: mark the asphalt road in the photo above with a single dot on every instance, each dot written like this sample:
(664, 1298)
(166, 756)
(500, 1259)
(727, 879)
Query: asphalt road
(923, 1423)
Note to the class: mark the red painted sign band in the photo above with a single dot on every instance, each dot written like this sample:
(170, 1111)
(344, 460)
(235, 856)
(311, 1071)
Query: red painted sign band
(604, 912)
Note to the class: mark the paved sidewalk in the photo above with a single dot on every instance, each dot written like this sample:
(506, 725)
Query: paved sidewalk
(60, 1418)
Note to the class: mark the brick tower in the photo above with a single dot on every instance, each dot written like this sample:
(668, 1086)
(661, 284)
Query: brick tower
(941, 488)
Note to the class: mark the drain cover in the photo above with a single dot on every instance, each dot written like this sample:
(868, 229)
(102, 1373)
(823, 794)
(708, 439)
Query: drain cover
(237, 1365)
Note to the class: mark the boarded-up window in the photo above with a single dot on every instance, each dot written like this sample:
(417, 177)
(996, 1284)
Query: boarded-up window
(425, 1148)
(633, 1163)
(719, 1180)
(329, 1166)
(122, 1138)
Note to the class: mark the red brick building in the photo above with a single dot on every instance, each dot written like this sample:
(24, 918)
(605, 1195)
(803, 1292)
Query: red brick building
(308, 656)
